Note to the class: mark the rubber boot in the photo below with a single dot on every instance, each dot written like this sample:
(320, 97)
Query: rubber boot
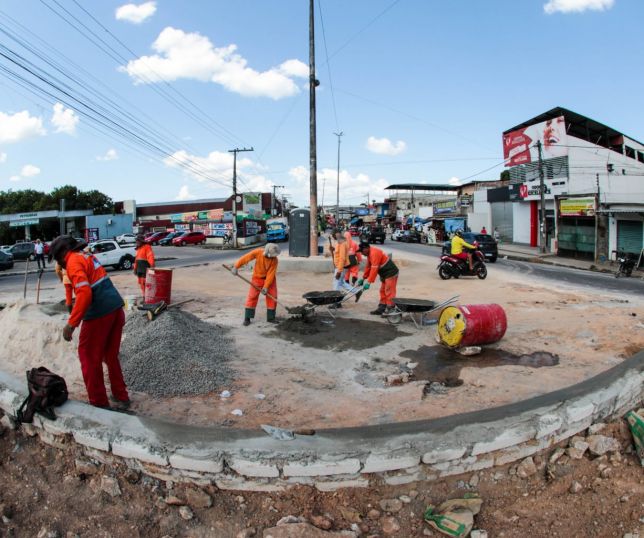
(249, 313)
(378, 311)
(270, 316)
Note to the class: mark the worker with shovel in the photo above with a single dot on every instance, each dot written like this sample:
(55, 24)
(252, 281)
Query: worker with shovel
(99, 312)
(264, 280)
(144, 260)
(379, 264)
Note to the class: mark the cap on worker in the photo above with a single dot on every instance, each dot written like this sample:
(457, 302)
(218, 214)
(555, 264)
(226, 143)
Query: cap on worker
(63, 244)
(271, 250)
(363, 245)
(139, 238)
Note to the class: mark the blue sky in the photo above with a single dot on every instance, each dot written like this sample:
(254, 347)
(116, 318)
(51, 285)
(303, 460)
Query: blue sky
(422, 90)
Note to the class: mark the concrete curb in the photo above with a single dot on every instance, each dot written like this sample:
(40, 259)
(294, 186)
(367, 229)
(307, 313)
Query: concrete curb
(397, 453)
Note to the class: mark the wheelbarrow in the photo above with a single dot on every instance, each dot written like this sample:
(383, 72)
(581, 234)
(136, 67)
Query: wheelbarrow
(328, 299)
(415, 309)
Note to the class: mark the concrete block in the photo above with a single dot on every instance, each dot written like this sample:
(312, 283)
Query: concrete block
(580, 410)
(377, 463)
(443, 466)
(342, 484)
(10, 401)
(468, 466)
(507, 438)
(322, 468)
(197, 461)
(522, 451)
(445, 454)
(548, 424)
(573, 429)
(400, 479)
(56, 427)
(92, 439)
(238, 483)
(57, 441)
(138, 450)
(253, 468)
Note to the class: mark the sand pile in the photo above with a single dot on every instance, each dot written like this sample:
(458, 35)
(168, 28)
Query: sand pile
(176, 354)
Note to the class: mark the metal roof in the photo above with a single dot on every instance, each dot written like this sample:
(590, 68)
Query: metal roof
(421, 187)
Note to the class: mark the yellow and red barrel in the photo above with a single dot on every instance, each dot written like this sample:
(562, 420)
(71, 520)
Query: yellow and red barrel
(472, 325)
(158, 285)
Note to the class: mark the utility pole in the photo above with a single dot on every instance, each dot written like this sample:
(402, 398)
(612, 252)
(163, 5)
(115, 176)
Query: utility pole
(273, 199)
(313, 82)
(337, 199)
(597, 221)
(235, 152)
(62, 216)
(542, 190)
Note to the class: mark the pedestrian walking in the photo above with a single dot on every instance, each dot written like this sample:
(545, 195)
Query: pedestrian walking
(39, 251)
(496, 235)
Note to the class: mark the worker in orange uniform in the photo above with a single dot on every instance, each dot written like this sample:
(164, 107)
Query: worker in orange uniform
(379, 264)
(264, 280)
(355, 258)
(62, 276)
(143, 261)
(99, 312)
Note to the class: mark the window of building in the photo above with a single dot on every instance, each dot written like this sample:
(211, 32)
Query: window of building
(640, 156)
(630, 152)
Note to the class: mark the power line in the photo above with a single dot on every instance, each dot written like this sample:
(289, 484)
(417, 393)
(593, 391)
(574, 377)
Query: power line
(328, 66)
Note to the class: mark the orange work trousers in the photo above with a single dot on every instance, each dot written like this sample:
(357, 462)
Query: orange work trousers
(253, 294)
(141, 280)
(388, 290)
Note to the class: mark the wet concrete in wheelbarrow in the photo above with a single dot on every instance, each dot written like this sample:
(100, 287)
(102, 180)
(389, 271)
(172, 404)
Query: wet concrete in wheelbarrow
(442, 365)
(341, 334)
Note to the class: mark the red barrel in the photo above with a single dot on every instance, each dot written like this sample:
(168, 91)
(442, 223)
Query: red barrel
(472, 325)
(158, 285)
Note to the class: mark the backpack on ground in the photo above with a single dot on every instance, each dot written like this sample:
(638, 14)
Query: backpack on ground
(46, 390)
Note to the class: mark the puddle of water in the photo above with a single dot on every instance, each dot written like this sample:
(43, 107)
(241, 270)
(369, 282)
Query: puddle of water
(442, 365)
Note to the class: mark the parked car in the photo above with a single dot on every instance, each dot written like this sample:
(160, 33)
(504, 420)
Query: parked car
(167, 240)
(190, 238)
(487, 245)
(126, 238)
(374, 234)
(412, 236)
(111, 254)
(6, 260)
(22, 251)
(156, 237)
(397, 235)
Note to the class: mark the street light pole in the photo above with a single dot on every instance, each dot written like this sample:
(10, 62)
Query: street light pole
(337, 199)
(313, 239)
(542, 190)
(235, 152)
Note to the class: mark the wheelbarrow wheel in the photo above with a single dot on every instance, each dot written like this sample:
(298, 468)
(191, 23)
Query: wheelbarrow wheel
(394, 318)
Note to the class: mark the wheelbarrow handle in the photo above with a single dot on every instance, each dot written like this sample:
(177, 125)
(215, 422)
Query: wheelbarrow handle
(253, 285)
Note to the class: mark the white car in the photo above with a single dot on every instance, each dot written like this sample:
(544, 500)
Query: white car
(126, 238)
(111, 254)
(397, 235)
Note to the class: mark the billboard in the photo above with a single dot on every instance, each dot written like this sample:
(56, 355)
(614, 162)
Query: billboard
(577, 207)
(253, 203)
(519, 146)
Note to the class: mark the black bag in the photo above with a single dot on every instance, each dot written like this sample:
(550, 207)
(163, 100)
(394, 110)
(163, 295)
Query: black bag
(46, 390)
(353, 260)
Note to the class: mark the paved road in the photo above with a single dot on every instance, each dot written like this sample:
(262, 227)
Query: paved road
(597, 281)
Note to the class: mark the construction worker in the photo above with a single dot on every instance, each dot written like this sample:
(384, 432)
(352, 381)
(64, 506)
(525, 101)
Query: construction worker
(143, 261)
(264, 280)
(62, 276)
(355, 258)
(340, 265)
(379, 264)
(458, 248)
(99, 312)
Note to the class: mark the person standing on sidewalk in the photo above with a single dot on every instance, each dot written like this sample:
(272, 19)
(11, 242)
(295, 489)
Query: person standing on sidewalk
(496, 235)
(144, 260)
(39, 251)
(98, 311)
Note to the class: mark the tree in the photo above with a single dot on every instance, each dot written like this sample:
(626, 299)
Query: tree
(505, 175)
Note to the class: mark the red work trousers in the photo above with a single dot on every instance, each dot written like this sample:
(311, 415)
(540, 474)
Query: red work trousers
(68, 294)
(253, 294)
(141, 280)
(388, 290)
(99, 342)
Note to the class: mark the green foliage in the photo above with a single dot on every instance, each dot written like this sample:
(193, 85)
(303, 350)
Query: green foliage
(30, 200)
(505, 175)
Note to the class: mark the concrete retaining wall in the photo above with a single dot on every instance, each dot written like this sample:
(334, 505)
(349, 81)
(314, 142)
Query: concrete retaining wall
(399, 453)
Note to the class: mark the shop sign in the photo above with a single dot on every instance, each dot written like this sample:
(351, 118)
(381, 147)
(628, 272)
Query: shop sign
(26, 222)
(440, 208)
(465, 200)
(532, 190)
(251, 227)
(27, 215)
(190, 217)
(178, 217)
(91, 235)
(219, 230)
(215, 214)
(577, 207)
(202, 215)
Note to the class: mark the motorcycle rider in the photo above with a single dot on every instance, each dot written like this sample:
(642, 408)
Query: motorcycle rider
(458, 248)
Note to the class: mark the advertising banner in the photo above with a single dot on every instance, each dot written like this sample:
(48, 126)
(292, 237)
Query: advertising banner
(177, 217)
(519, 147)
(577, 207)
(215, 214)
(253, 203)
(441, 208)
(27, 222)
(220, 229)
(530, 191)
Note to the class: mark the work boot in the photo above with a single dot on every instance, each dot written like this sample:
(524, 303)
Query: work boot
(270, 315)
(378, 311)
(354, 280)
(246, 322)
(249, 313)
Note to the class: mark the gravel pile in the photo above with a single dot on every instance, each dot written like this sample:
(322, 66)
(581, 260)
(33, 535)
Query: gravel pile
(177, 354)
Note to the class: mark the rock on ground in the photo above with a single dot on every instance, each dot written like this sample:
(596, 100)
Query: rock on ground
(526, 468)
(301, 530)
(600, 444)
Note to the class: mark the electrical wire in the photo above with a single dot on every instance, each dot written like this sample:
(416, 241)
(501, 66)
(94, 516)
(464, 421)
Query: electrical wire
(328, 66)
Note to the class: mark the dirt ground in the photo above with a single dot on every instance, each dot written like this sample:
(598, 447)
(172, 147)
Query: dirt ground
(54, 493)
(307, 375)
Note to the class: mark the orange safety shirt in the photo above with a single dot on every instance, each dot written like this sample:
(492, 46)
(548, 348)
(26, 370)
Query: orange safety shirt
(341, 256)
(144, 253)
(378, 263)
(265, 268)
(96, 296)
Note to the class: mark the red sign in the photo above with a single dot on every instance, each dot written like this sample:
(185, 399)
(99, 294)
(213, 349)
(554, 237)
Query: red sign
(516, 148)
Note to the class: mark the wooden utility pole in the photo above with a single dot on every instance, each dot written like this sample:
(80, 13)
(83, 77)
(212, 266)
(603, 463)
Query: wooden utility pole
(337, 199)
(312, 141)
(542, 190)
(235, 152)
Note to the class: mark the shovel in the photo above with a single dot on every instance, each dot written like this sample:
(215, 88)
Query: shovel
(161, 307)
(38, 285)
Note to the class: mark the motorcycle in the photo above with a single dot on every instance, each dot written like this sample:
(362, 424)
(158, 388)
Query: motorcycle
(451, 266)
(626, 264)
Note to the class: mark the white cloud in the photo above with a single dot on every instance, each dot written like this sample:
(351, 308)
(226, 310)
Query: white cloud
(454, 181)
(136, 14)
(184, 194)
(64, 119)
(19, 126)
(193, 56)
(576, 6)
(29, 170)
(110, 155)
(15, 178)
(3, 158)
(384, 146)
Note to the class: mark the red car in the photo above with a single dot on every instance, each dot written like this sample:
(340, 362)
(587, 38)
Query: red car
(156, 237)
(189, 238)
